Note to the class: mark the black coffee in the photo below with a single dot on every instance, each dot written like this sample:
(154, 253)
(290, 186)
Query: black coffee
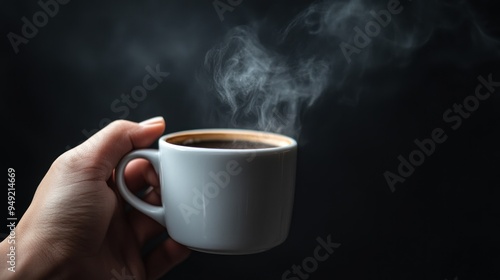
(228, 144)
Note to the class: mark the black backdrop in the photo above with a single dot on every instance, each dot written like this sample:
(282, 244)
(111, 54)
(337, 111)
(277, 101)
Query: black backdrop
(442, 222)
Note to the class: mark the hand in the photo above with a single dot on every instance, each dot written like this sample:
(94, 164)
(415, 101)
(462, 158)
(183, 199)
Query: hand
(76, 225)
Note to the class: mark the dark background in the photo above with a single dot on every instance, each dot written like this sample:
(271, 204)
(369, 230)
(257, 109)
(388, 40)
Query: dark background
(441, 223)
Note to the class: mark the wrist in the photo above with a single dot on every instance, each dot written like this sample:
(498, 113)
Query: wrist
(26, 257)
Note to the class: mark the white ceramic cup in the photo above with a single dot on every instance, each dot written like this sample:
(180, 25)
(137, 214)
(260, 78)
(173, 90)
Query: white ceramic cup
(216, 200)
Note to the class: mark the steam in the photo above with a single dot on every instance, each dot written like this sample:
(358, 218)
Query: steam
(263, 86)
(268, 86)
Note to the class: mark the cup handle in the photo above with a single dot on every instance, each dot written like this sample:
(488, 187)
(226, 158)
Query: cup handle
(155, 212)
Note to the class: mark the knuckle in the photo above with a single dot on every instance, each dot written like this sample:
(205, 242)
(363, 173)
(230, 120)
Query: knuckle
(77, 160)
(121, 123)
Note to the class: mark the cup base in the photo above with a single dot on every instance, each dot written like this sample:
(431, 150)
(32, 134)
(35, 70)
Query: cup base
(229, 252)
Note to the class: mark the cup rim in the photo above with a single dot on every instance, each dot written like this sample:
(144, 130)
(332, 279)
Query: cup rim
(279, 141)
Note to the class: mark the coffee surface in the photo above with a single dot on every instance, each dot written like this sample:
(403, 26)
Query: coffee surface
(228, 144)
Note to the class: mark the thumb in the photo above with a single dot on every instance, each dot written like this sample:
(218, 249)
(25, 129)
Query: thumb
(102, 152)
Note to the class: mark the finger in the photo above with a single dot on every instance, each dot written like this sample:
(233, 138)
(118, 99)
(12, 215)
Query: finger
(164, 258)
(143, 226)
(140, 174)
(101, 152)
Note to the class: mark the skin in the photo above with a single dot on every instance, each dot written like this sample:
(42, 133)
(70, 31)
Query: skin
(77, 227)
